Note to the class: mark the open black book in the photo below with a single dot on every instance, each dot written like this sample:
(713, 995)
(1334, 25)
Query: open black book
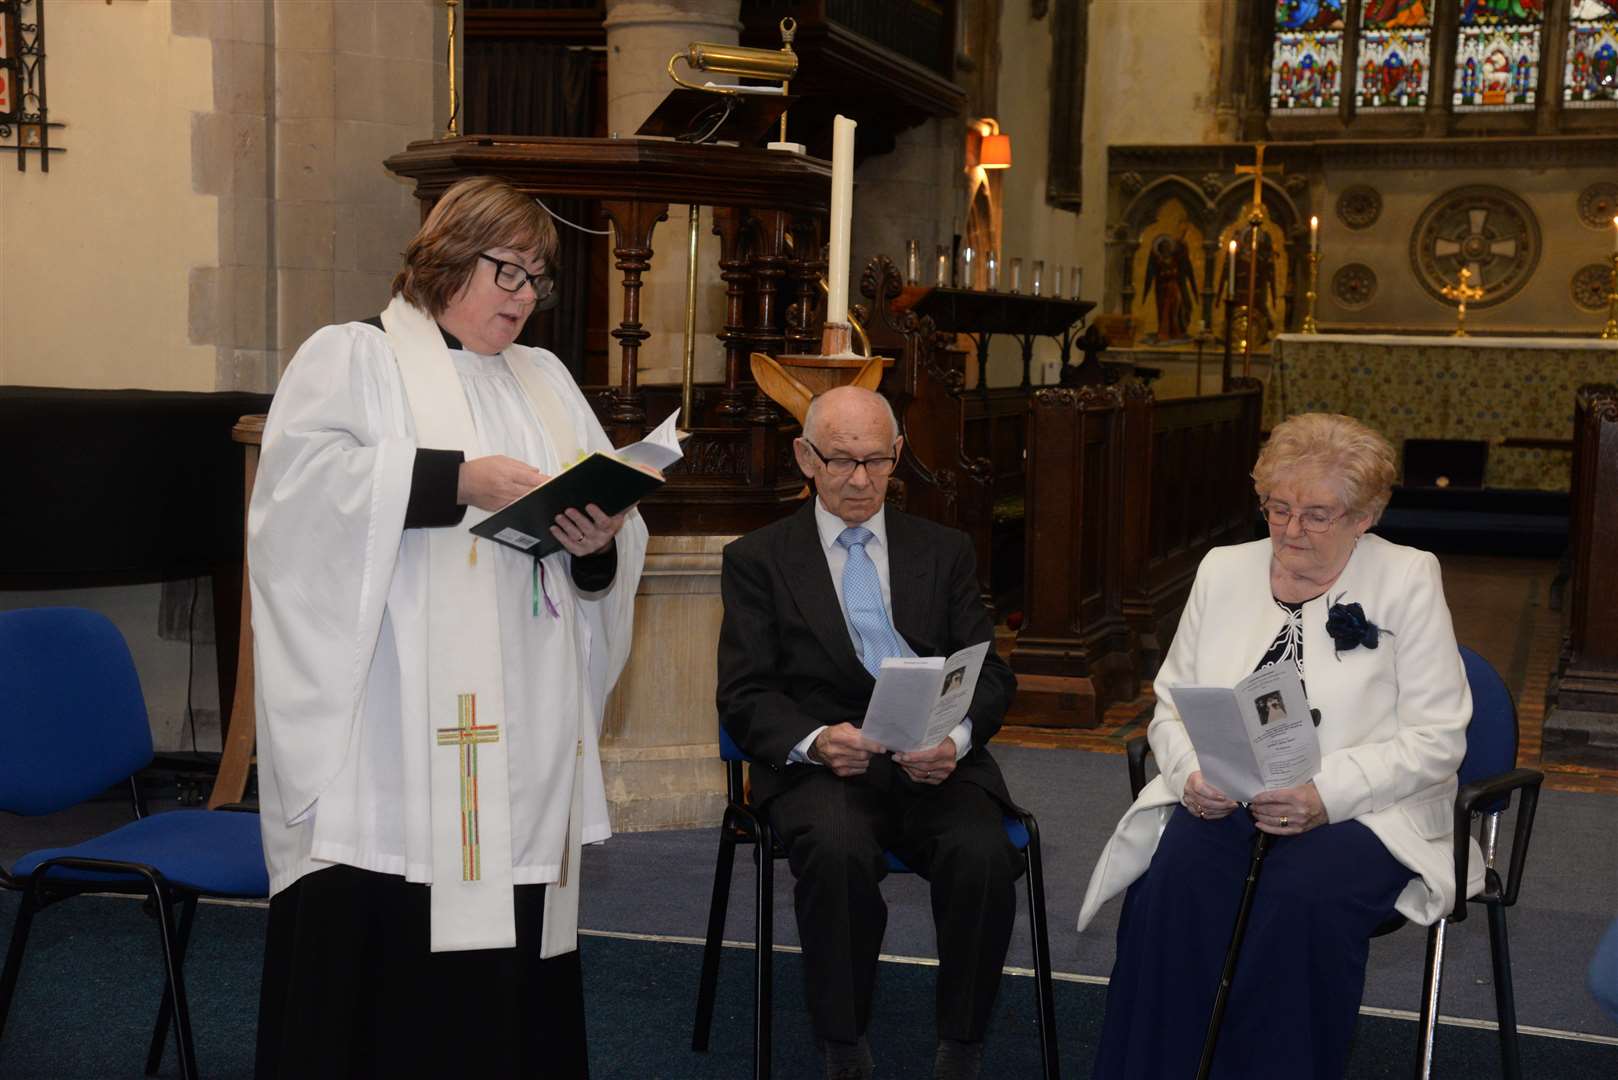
(613, 481)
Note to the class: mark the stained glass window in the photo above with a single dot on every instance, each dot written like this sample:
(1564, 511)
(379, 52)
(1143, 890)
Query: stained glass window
(1306, 66)
(1590, 76)
(1497, 54)
(1395, 54)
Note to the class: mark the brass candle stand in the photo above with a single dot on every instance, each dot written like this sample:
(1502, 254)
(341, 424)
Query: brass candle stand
(1610, 331)
(1309, 326)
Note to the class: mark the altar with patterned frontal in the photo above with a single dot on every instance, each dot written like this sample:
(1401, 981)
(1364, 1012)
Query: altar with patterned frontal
(1516, 393)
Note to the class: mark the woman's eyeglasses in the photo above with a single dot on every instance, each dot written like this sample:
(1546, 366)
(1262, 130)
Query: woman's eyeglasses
(510, 277)
(1280, 515)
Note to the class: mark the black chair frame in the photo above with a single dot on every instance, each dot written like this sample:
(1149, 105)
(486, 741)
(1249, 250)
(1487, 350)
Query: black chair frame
(173, 907)
(741, 824)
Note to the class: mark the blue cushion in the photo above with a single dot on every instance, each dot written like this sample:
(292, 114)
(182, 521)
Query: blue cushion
(216, 852)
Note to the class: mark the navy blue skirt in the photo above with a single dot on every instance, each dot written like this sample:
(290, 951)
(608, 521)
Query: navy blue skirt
(1296, 993)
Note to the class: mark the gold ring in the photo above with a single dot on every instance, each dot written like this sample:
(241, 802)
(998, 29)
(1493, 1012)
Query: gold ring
(1200, 814)
(1283, 821)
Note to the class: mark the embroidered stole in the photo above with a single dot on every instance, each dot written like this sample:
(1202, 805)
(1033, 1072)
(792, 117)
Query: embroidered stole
(470, 802)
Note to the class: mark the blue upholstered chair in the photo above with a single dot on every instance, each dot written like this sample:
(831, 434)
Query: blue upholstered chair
(742, 825)
(73, 724)
(1488, 779)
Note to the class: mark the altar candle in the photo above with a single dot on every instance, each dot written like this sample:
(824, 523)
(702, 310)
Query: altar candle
(1078, 283)
(1230, 273)
(842, 212)
(1056, 285)
(1615, 236)
(967, 281)
(1016, 274)
(1039, 272)
(993, 265)
(1314, 235)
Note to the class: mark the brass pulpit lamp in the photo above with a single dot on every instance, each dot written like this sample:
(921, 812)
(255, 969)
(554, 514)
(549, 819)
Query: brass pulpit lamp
(716, 58)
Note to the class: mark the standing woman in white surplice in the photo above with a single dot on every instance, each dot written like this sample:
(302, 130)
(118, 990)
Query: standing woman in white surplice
(1365, 623)
(428, 704)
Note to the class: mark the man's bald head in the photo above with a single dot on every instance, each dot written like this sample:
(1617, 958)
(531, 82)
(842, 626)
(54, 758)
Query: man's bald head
(849, 446)
(844, 405)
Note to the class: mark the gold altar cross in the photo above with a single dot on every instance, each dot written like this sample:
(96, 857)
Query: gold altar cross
(466, 735)
(1255, 221)
(1258, 170)
(1462, 292)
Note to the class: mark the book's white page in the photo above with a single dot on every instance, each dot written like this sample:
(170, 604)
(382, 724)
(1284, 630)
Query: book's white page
(1276, 714)
(660, 449)
(918, 700)
(1241, 752)
(1224, 750)
(902, 701)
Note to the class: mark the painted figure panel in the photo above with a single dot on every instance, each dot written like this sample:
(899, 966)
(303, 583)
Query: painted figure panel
(1306, 71)
(1260, 276)
(1167, 275)
(1590, 75)
(1496, 67)
(1394, 65)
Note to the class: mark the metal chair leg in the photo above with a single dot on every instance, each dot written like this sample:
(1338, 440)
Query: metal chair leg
(165, 1011)
(1044, 993)
(13, 968)
(764, 856)
(1505, 1002)
(718, 907)
(176, 982)
(1431, 987)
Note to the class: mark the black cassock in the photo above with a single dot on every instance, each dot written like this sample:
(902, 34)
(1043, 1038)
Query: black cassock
(351, 990)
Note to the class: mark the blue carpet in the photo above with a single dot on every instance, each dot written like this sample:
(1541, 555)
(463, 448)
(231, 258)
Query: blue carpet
(91, 983)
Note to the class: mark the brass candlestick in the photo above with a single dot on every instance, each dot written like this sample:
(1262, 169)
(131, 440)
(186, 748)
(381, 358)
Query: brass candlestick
(454, 127)
(1462, 292)
(1309, 326)
(1610, 331)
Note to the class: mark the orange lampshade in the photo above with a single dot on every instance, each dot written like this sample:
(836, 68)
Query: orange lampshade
(995, 152)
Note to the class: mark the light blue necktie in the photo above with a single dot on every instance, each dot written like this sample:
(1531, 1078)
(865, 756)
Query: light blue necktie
(862, 600)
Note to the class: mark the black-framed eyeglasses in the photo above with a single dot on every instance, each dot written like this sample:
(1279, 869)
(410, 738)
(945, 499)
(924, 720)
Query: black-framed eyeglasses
(510, 277)
(1312, 520)
(843, 467)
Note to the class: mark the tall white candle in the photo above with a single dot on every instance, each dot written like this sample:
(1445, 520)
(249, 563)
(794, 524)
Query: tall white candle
(842, 212)
(1314, 235)
(1230, 273)
(1615, 236)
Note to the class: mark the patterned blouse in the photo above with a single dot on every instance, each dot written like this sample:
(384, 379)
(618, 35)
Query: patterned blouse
(1288, 645)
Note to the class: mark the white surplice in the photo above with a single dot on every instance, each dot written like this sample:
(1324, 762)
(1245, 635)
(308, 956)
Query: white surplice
(340, 605)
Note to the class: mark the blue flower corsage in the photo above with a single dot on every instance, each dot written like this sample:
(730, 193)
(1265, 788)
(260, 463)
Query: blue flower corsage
(1349, 628)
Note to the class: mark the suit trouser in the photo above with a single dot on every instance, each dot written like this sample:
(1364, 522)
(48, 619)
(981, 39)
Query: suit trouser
(836, 832)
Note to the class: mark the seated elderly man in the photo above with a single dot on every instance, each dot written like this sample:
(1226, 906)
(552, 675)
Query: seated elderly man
(813, 604)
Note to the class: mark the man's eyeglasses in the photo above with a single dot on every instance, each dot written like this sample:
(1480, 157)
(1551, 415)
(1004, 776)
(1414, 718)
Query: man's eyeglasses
(843, 467)
(1280, 515)
(510, 277)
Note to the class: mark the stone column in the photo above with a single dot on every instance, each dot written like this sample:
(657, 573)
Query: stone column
(660, 742)
(641, 36)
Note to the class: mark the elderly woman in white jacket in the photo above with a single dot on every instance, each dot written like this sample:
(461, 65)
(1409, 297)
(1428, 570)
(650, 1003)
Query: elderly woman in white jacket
(1366, 625)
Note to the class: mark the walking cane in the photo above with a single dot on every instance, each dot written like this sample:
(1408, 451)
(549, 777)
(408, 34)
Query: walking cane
(1261, 847)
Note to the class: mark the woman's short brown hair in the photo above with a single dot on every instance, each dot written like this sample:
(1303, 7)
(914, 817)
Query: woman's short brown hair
(1345, 452)
(472, 217)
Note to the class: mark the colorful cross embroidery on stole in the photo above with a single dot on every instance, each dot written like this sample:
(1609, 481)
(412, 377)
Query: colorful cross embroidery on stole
(467, 735)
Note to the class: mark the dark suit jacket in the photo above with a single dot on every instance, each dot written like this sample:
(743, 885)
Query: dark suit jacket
(787, 665)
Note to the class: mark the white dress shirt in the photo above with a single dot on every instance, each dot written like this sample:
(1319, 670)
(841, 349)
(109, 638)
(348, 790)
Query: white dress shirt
(831, 527)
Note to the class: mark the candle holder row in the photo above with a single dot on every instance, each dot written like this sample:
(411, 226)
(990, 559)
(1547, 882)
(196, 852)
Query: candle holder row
(964, 272)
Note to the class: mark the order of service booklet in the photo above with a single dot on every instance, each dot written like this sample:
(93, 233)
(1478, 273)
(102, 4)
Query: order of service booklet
(918, 700)
(613, 481)
(1255, 736)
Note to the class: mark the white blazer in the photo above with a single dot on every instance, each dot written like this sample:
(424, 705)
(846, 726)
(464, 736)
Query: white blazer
(1393, 719)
